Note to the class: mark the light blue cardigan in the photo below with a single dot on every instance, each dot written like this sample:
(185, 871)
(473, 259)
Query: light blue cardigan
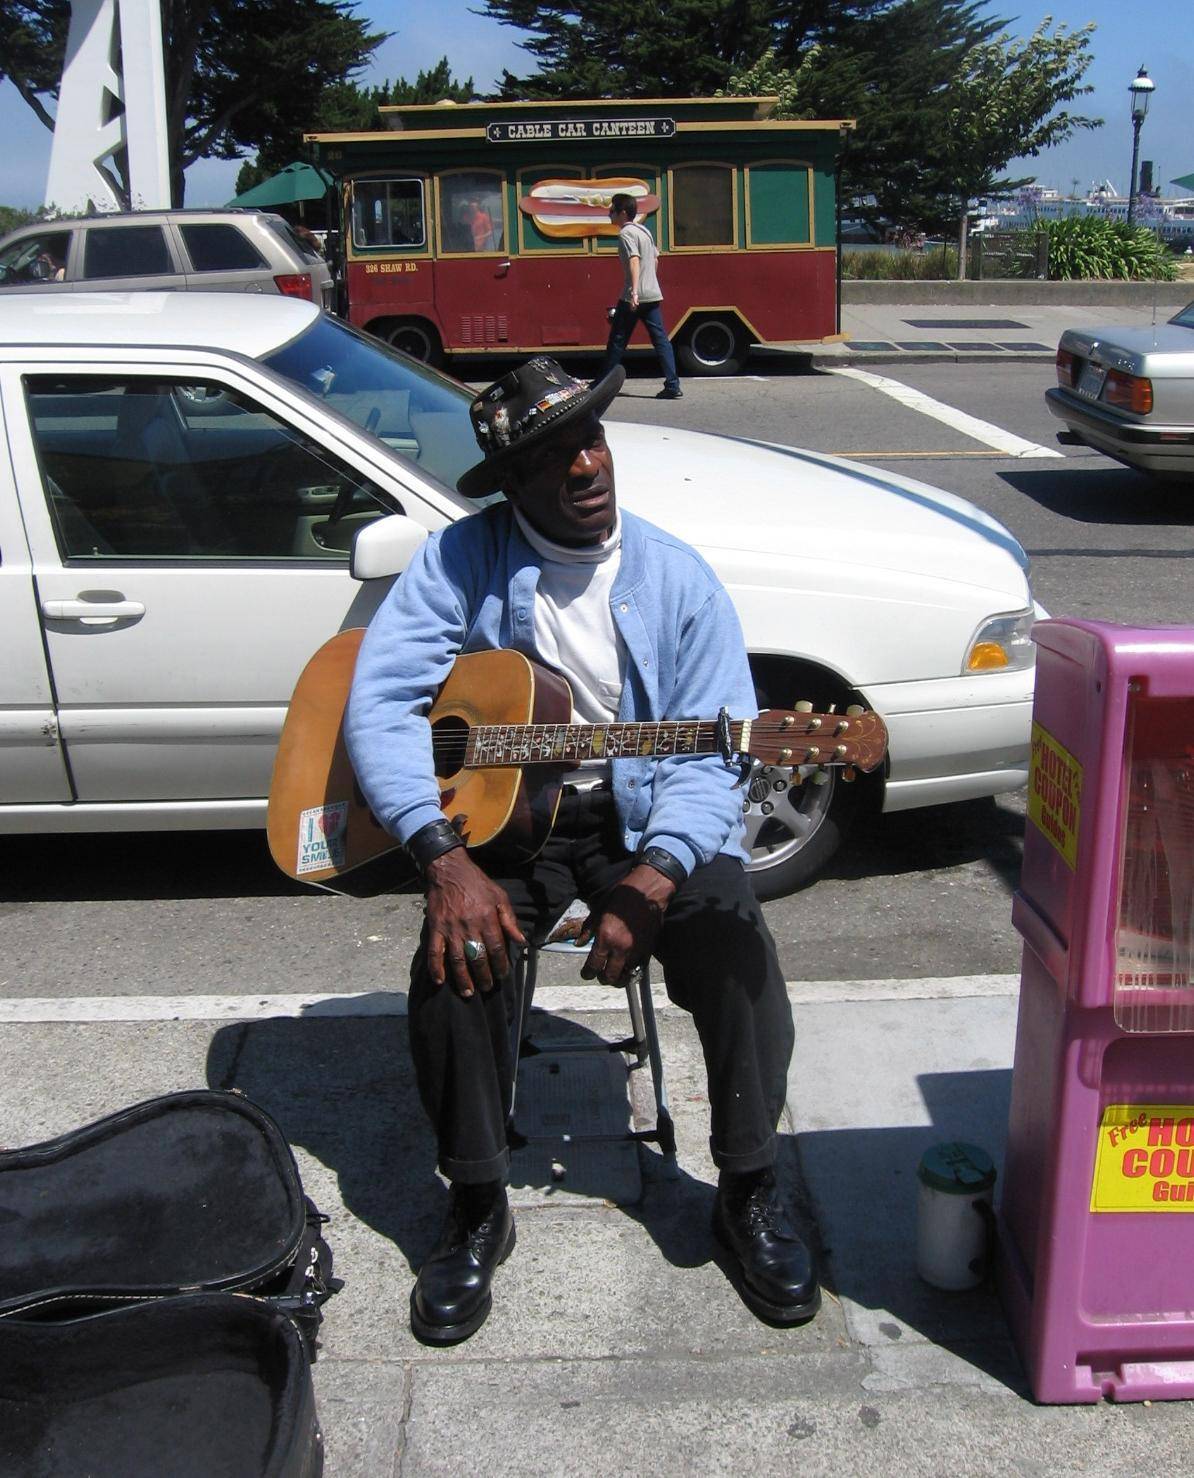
(471, 587)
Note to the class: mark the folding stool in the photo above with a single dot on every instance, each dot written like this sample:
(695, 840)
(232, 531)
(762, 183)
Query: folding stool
(643, 1043)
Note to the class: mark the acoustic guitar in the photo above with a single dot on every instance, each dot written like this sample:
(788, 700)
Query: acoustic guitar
(502, 742)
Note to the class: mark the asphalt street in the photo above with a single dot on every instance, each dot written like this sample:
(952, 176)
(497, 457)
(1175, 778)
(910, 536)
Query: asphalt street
(920, 894)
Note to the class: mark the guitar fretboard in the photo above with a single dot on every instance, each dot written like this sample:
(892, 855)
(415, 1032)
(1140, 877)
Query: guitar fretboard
(495, 745)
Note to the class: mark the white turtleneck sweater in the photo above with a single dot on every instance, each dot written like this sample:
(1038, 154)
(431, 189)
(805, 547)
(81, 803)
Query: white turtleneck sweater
(575, 631)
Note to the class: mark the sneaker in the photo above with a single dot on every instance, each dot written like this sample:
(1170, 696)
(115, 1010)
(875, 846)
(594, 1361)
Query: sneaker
(666, 394)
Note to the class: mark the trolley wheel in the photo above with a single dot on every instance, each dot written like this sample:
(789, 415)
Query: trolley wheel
(713, 346)
(413, 336)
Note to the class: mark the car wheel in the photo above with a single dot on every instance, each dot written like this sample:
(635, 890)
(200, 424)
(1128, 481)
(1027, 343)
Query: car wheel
(793, 828)
(416, 337)
(796, 820)
(713, 346)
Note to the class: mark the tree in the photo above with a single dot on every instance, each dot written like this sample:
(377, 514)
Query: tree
(1004, 107)
(347, 107)
(238, 72)
(661, 48)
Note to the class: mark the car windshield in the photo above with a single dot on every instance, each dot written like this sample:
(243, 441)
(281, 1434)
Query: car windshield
(1184, 319)
(420, 414)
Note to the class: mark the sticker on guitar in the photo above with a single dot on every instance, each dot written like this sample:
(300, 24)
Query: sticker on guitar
(321, 837)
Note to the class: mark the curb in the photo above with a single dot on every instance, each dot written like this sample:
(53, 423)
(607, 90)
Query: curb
(912, 356)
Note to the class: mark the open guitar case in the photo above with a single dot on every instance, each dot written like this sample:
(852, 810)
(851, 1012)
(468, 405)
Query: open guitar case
(162, 1277)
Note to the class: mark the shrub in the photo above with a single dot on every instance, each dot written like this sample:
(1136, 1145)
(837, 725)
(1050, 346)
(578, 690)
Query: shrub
(1090, 246)
(932, 264)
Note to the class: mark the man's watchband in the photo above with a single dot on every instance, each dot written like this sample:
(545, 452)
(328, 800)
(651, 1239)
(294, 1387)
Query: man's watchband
(663, 861)
(432, 841)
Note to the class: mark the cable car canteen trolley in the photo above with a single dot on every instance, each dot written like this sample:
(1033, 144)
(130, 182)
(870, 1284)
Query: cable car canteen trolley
(1096, 1223)
(483, 228)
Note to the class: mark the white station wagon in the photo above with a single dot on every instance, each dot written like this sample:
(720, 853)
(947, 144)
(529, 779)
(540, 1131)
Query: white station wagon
(197, 491)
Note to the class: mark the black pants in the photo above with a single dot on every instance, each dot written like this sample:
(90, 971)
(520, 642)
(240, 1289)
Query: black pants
(719, 963)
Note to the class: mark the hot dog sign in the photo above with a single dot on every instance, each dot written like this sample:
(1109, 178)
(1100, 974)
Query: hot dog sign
(568, 209)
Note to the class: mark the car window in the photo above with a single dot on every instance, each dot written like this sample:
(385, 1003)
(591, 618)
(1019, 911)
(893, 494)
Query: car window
(214, 247)
(126, 251)
(417, 412)
(35, 259)
(1185, 319)
(169, 469)
(294, 241)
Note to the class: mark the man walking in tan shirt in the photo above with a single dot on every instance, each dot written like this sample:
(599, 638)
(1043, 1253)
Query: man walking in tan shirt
(641, 297)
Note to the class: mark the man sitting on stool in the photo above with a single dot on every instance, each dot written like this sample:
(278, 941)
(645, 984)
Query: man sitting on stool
(643, 630)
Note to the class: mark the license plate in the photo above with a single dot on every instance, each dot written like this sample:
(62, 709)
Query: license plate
(1090, 381)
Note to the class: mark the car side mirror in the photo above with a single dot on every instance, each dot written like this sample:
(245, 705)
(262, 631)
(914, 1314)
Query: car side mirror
(384, 547)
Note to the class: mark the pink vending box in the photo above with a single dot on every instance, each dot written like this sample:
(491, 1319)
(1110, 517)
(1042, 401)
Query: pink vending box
(1096, 1221)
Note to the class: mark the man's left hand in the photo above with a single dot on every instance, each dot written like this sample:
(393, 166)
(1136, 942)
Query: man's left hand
(624, 932)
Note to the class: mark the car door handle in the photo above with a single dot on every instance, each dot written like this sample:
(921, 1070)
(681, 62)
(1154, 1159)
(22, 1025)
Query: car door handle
(92, 612)
(503, 268)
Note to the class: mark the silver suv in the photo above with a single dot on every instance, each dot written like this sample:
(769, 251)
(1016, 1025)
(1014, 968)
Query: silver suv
(236, 251)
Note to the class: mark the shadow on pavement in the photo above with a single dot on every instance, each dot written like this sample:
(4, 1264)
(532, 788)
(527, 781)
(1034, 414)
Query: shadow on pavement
(1102, 492)
(142, 866)
(864, 1186)
(937, 837)
(343, 1090)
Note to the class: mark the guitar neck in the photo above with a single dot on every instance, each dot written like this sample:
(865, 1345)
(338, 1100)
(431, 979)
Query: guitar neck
(498, 745)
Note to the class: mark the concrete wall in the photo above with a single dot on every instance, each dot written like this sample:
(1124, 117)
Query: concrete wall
(1009, 290)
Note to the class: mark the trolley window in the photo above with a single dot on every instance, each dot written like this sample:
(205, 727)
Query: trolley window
(388, 213)
(702, 205)
(471, 218)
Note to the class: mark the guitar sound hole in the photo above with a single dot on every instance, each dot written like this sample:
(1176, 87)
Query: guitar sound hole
(448, 737)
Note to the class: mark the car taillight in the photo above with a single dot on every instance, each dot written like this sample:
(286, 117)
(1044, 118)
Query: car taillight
(295, 285)
(1065, 368)
(1128, 392)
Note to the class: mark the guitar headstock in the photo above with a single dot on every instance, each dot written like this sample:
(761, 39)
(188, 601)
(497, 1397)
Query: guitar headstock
(794, 737)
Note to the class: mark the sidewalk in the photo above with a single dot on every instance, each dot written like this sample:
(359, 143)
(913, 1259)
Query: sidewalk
(895, 333)
(616, 1344)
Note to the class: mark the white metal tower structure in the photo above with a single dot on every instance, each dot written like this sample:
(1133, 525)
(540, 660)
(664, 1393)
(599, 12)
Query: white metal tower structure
(112, 102)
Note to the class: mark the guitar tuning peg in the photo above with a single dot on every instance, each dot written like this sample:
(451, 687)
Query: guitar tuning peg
(820, 776)
(804, 706)
(854, 710)
(849, 774)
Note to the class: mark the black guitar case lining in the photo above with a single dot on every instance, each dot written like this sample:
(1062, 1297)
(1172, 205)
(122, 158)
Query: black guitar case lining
(193, 1192)
(210, 1385)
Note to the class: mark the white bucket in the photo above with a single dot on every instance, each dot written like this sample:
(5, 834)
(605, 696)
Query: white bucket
(954, 1215)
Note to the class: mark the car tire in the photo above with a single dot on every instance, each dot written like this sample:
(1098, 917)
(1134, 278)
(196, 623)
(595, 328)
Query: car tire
(712, 346)
(414, 337)
(791, 843)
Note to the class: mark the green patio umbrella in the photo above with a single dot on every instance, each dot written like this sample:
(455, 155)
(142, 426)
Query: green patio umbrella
(290, 186)
(1186, 181)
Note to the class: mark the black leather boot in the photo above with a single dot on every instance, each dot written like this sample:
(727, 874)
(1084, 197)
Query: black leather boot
(772, 1268)
(451, 1297)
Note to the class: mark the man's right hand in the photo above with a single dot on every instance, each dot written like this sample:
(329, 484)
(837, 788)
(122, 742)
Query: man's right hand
(462, 904)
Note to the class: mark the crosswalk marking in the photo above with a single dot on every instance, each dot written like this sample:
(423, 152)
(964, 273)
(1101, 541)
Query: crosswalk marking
(990, 435)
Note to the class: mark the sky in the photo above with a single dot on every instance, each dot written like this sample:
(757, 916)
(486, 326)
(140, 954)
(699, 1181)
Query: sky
(1130, 34)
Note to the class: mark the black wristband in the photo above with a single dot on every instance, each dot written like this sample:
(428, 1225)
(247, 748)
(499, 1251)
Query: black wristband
(663, 861)
(432, 841)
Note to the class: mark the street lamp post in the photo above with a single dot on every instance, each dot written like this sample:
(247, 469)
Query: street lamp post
(1142, 89)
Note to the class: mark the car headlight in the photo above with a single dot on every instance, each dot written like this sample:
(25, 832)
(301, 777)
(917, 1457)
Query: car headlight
(1002, 644)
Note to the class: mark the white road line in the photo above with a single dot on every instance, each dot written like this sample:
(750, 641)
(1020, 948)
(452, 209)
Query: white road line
(43, 1010)
(992, 436)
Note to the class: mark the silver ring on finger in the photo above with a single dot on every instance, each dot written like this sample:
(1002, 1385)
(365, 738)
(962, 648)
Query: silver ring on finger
(474, 949)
